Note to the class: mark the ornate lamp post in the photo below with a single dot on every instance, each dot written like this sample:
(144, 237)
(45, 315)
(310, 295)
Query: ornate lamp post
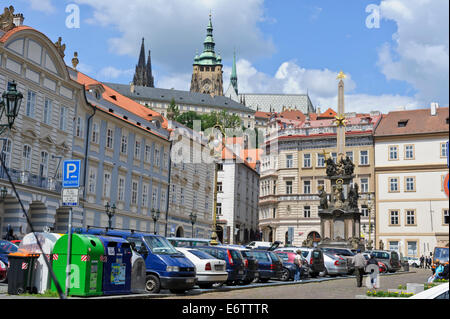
(155, 216)
(369, 203)
(10, 105)
(110, 211)
(193, 217)
(216, 169)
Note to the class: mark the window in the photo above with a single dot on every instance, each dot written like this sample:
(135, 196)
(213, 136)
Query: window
(411, 217)
(123, 145)
(79, 127)
(409, 152)
(320, 160)
(134, 192)
(163, 198)
(412, 248)
(106, 185)
(393, 184)
(364, 211)
(157, 158)
(47, 116)
(43, 167)
(307, 211)
(307, 187)
(174, 194)
(31, 104)
(181, 196)
(306, 160)
(444, 150)
(63, 118)
(445, 216)
(144, 195)
(393, 153)
(393, 245)
(148, 153)
(410, 183)
(402, 123)
(394, 217)
(26, 156)
(364, 185)
(349, 155)
(219, 187)
(364, 158)
(7, 147)
(95, 132)
(92, 179)
(154, 196)
(121, 194)
(288, 187)
(109, 138)
(137, 150)
(289, 161)
(220, 167)
(219, 209)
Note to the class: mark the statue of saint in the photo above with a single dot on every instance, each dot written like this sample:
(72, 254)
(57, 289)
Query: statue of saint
(331, 167)
(323, 198)
(348, 166)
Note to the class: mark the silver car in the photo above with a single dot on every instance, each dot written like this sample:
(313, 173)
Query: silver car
(334, 265)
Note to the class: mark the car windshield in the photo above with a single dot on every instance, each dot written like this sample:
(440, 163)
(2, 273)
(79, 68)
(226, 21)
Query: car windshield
(6, 247)
(261, 256)
(275, 257)
(381, 254)
(441, 253)
(201, 254)
(236, 255)
(284, 257)
(160, 245)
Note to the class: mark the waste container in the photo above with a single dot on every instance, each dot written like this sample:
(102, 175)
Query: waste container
(47, 240)
(21, 272)
(138, 274)
(116, 265)
(86, 269)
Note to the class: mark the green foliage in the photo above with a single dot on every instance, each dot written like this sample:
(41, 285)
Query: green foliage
(208, 120)
(188, 118)
(46, 294)
(374, 293)
(173, 111)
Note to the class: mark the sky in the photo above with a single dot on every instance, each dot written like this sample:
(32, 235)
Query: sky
(395, 52)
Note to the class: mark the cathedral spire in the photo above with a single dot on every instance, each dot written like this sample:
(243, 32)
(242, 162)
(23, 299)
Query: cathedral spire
(150, 79)
(233, 78)
(143, 74)
(141, 62)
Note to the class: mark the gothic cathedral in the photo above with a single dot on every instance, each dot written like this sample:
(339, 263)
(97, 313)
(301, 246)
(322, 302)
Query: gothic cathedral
(207, 73)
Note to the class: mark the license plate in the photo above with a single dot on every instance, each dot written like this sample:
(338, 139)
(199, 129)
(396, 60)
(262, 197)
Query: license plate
(190, 280)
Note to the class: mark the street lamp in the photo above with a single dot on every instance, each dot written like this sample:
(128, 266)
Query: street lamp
(110, 211)
(155, 216)
(193, 217)
(10, 105)
(216, 169)
(369, 204)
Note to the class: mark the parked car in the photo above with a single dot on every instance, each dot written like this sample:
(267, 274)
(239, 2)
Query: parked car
(345, 253)
(209, 270)
(314, 257)
(6, 248)
(259, 245)
(390, 258)
(234, 261)
(250, 263)
(188, 242)
(289, 270)
(335, 265)
(413, 261)
(381, 266)
(269, 265)
(166, 267)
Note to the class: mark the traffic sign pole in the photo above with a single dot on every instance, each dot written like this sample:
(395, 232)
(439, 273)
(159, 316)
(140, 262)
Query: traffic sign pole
(69, 252)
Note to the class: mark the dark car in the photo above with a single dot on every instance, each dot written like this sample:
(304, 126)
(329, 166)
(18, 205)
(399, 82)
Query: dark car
(269, 265)
(345, 253)
(289, 267)
(315, 259)
(251, 266)
(6, 248)
(233, 258)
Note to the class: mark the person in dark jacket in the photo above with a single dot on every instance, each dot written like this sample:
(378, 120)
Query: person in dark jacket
(372, 260)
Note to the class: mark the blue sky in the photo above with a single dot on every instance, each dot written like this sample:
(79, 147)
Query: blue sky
(289, 46)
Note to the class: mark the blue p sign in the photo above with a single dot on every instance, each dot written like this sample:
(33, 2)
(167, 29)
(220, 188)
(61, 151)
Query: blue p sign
(71, 173)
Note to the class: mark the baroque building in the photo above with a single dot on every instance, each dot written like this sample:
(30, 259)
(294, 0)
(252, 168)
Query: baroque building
(207, 73)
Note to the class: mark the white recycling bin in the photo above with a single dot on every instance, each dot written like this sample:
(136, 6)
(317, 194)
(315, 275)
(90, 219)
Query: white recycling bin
(47, 240)
(138, 273)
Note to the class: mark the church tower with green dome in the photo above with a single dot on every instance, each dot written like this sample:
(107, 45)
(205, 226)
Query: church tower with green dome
(207, 74)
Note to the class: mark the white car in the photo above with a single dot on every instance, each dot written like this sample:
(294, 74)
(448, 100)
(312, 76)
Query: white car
(414, 262)
(438, 292)
(209, 270)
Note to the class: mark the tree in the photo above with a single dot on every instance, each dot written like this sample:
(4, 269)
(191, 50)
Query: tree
(188, 118)
(173, 111)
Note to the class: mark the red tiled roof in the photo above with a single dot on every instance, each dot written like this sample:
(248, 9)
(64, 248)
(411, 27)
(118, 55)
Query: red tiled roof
(8, 34)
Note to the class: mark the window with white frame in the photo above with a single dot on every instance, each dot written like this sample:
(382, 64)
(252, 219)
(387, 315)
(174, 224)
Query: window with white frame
(109, 138)
(95, 132)
(144, 195)
(137, 150)
(121, 195)
(134, 192)
(289, 161)
(364, 211)
(148, 153)
(92, 179)
(157, 157)
(394, 217)
(349, 154)
(409, 152)
(364, 185)
(43, 166)
(320, 160)
(394, 245)
(412, 248)
(79, 127)
(7, 148)
(219, 187)
(154, 196)
(307, 211)
(363, 157)
(31, 104)
(306, 160)
(106, 185)
(47, 114)
(219, 209)
(334, 157)
(63, 118)
(410, 184)
(410, 217)
(288, 187)
(26, 158)
(444, 150)
(307, 187)
(445, 217)
(393, 152)
(163, 199)
(393, 184)
(124, 144)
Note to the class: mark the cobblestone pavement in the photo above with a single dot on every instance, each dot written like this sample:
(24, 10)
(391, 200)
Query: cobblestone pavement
(344, 288)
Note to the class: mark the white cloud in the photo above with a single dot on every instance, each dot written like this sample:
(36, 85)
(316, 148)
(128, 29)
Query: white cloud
(44, 6)
(174, 28)
(420, 53)
(111, 73)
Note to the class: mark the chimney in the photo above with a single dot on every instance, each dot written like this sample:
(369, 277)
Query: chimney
(434, 107)
(132, 87)
(18, 19)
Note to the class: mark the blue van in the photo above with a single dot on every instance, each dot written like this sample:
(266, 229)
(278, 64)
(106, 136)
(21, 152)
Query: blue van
(166, 267)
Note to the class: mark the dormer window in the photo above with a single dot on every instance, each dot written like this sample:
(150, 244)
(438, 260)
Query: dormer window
(402, 123)
(114, 97)
(446, 120)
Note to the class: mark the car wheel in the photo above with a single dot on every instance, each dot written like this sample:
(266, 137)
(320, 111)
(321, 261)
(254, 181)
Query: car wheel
(3, 278)
(285, 274)
(152, 284)
(323, 273)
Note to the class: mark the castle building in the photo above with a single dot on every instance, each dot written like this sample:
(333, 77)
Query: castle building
(207, 72)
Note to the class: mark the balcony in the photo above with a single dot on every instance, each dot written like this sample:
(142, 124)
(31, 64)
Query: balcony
(26, 178)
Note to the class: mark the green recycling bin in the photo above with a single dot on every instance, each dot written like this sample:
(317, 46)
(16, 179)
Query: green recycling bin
(86, 271)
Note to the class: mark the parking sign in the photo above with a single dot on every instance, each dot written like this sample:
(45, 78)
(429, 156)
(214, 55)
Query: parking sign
(71, 173)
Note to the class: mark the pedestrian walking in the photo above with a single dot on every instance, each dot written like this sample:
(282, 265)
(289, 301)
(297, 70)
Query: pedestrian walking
(360, 263)
(298, 264)
(422, 262)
